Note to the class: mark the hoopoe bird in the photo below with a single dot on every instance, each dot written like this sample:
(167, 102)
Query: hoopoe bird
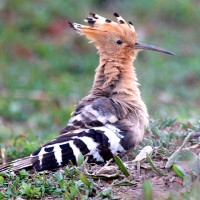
(112, 118)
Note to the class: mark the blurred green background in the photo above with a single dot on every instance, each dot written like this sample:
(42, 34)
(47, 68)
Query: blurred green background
(46, 68)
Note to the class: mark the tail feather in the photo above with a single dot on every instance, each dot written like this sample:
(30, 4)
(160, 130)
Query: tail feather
(17, 164)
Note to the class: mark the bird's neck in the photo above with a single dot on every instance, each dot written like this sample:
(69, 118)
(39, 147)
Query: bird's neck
(116, 78)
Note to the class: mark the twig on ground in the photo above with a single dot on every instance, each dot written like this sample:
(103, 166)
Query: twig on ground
(3, 155)
(172, 158)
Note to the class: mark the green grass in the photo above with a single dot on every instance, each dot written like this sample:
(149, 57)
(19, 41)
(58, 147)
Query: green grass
(65, 184)
(84, 182)
(46, 68)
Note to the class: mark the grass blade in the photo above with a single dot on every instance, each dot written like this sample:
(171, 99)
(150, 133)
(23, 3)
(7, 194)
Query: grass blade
(80, 160)
(159, 171)
(178, 171)
(121, 166)
(147, 190)
(1, 180)
(84, 180)
(124, 183)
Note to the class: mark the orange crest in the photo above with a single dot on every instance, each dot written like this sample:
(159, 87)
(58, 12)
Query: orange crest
(109, 36)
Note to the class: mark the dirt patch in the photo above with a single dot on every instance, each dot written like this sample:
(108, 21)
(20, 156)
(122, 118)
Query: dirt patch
(160, 184)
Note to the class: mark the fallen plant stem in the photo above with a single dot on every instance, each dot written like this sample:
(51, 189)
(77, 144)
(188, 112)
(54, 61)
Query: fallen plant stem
(159, 171)
(172, 158)
(185, 141)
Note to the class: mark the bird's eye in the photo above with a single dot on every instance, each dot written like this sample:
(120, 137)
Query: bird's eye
(119, 42)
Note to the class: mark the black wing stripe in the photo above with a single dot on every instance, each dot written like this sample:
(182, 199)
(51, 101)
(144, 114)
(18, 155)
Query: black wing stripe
(49, 161)
(97, 135)
(67, 154)
(48, 149)
(82, 146)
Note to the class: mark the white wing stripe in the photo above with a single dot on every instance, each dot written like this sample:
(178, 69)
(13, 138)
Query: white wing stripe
(92, 146)
(75, 150)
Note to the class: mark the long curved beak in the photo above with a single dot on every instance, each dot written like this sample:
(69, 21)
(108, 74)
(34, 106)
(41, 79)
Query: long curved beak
(151, 47)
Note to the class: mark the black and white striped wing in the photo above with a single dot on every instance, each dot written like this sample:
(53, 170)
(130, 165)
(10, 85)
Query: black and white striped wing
(99, 143)
(94, 134)
(97, 113)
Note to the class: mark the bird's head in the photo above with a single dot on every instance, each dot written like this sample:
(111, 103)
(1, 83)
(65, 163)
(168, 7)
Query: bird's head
(118, 39)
